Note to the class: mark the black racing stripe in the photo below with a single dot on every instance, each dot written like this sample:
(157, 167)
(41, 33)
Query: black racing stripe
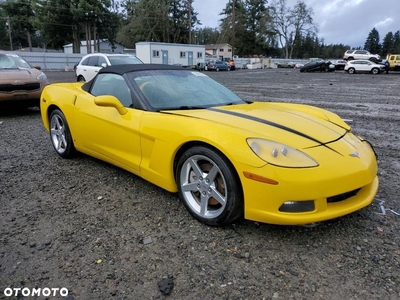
(233, 113)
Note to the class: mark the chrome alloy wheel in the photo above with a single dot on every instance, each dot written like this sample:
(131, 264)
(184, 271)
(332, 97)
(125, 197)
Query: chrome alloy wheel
(58, 134)
(203, 186)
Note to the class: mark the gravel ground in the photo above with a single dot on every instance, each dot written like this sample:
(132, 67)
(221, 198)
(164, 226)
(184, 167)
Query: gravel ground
(103, 233)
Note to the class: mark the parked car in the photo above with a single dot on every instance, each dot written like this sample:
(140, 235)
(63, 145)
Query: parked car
(218, 65)
(285, 64)
(231, 63)
(90, 64)
(339, 64)
(318, 66)
(394, 60)
(361, 54)
(280, 163)
(20, 83)
(363, 66)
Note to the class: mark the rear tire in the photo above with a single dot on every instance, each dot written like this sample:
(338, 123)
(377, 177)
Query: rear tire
(80, 78)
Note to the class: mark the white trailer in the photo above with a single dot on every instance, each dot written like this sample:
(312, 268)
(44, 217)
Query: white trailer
(186, 55)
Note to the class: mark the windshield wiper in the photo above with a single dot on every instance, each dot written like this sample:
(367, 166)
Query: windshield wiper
(191, 107)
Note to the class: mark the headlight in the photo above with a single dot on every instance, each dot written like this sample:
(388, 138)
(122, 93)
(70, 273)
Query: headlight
(41, 76)
(280, 155)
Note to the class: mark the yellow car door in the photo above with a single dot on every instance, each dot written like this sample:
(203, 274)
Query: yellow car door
(106, 133)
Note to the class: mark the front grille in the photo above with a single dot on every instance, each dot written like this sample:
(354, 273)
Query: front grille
(28, 86)
(342, 197)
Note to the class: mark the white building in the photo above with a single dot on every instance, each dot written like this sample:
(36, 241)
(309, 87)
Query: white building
(170, 54)
(104, 46)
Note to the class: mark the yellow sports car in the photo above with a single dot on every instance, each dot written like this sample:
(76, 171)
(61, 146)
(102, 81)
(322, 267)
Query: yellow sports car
(276, 163)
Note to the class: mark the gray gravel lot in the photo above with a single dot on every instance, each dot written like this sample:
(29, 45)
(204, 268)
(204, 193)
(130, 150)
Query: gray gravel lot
(103, 233)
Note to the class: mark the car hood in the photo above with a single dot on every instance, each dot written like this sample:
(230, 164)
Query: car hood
(300, 126)
(10, 75)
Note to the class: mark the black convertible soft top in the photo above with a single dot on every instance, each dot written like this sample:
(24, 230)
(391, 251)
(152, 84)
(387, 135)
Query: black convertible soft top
(122, 69)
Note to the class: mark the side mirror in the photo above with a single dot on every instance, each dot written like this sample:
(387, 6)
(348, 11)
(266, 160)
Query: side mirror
(110, 101)
(104, 65)
(37, 67)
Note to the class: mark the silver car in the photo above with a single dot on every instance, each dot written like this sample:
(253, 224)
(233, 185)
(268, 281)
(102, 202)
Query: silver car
(363, 66)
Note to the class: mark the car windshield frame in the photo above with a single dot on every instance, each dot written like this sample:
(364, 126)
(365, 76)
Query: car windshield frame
(181, 89)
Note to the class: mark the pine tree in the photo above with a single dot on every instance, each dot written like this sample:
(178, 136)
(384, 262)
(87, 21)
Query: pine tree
(372, 43)
(396, 42)
(388, 44)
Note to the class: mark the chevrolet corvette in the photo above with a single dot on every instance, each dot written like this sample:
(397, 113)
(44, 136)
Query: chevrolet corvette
(227, 158)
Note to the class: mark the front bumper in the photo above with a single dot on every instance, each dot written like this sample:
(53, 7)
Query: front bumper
(336, 188)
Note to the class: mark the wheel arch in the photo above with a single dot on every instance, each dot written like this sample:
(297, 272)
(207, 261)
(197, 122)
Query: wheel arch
(46, 115)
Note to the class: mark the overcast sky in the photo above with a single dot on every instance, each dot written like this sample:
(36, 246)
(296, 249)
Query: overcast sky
(340, 21)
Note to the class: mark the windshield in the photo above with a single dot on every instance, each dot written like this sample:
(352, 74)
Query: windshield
(124, 59)
(12, 61)
(182, 89)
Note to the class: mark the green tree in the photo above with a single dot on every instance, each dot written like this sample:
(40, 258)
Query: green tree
(233, 26)
(169, 21)
(372, 43)
(256, 24)
(21, 16)
(387, 44)
(206, 35)
(244, 26)
(396, 42)
(56, 22)
(65, 21)
(4, 38)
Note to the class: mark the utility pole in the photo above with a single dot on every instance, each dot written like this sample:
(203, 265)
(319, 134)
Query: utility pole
(190, 20)
(8, 25)
(233, 26)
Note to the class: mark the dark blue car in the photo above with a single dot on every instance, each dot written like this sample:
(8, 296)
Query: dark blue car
(218, 65)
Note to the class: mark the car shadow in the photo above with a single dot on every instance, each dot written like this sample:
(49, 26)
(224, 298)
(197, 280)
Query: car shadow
(13, 111)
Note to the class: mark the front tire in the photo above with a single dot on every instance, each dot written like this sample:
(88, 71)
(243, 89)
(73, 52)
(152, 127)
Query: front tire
(60, 135)
(209, 186)
(375, 71)
(351, 70)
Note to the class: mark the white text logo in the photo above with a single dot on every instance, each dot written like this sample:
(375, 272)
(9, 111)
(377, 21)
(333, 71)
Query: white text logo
(26, 292)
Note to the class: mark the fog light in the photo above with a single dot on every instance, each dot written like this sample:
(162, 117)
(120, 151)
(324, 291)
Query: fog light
(297, 206)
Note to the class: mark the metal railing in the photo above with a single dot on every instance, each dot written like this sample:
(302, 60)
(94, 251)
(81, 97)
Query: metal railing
(59, 61)
(51, 61)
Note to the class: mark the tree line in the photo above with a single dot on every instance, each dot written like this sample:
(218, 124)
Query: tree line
(252, 27)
